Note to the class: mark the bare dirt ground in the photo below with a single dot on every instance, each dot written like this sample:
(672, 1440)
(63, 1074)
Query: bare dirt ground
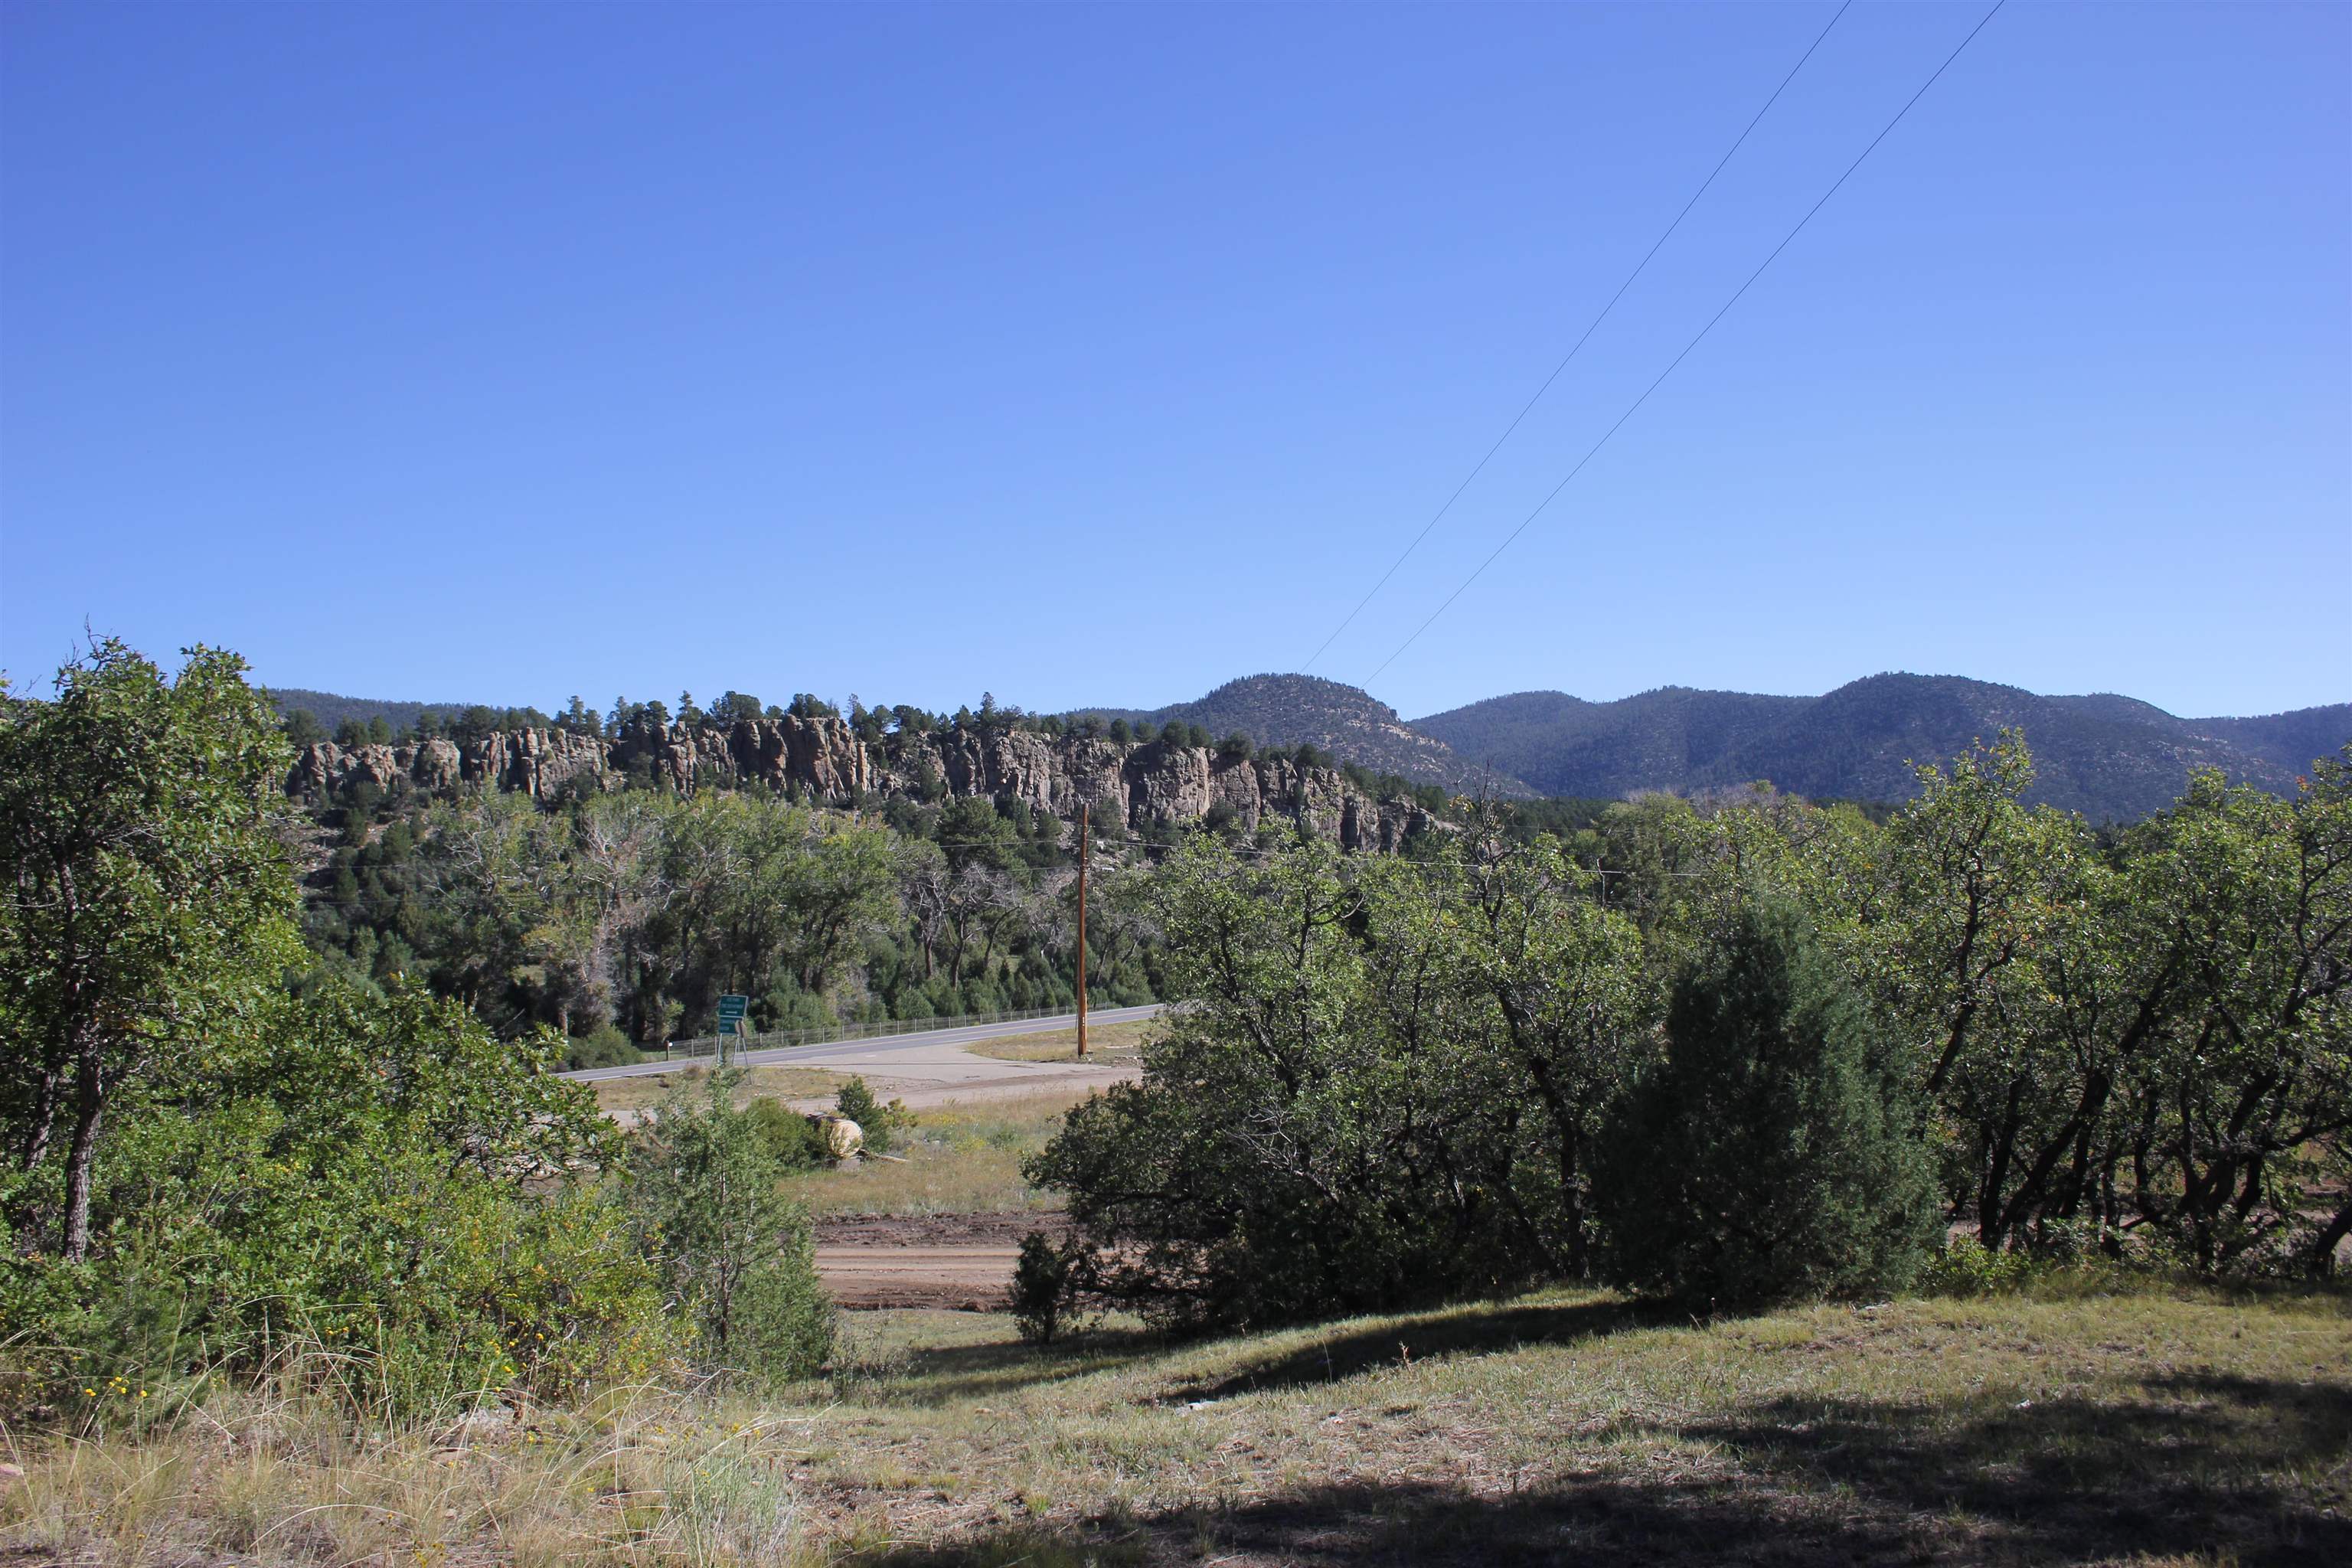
(958, 1261)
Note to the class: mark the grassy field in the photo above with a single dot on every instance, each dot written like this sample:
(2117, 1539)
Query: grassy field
(1105, 1042)
(2144, 1428)
(960, 1159)
(614, 1095)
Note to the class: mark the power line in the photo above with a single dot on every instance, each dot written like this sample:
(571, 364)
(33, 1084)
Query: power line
(1695, 342)
(1638, 269)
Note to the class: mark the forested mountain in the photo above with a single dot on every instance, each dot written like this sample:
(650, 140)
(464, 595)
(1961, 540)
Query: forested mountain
(1345, 720)
(2289, 740)
(2108, 757)
(332, 711)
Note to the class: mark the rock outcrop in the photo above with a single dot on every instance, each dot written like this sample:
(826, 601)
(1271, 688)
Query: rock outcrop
(1147, 785)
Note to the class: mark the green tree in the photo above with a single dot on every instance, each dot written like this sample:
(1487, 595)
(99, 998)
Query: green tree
(736, 707)
(706, 1186)
(2005, 947)
(302, 729)
(2246, 1101)
(1559, 985)
(475, 723)
(1328, 1124)
(1769, 1155)
(972, 832)
(147, 901)
(374, 1173)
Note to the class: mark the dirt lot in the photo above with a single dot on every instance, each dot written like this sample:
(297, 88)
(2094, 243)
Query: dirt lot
(956, 1261)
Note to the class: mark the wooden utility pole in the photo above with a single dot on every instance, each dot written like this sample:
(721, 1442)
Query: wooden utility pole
(1084, 813)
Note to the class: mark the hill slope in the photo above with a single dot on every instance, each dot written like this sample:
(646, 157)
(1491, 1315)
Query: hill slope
(330, 709)
(1346, 721)
(2107, 756)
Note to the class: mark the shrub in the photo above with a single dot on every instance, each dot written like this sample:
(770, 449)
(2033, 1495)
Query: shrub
(798, 1143)
(606, 1047)
(1965, 1267)
(706, 1191)
(376, 1176)
(1768, 1156)
(1046, 1283)
(879, 1122)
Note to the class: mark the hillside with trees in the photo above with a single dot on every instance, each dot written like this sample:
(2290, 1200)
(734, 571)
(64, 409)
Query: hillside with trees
(1344, 720)
(329, 713)
(2111, 758)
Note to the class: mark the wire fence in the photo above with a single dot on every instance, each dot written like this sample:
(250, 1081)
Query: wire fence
(836, 1033)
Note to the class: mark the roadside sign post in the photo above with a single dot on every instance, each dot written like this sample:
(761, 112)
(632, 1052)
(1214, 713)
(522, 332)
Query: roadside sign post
(731, 1009)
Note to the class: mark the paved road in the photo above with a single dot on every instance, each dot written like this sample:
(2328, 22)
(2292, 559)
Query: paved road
(878, 1053)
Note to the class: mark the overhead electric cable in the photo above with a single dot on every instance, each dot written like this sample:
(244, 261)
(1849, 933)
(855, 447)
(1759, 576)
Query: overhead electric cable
(1695, 342)
(1593, 326)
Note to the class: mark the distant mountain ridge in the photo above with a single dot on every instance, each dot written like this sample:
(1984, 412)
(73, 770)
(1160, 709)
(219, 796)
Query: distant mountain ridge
(2111, 757)
(2107, 756)
(330, 709)
(1345, 720)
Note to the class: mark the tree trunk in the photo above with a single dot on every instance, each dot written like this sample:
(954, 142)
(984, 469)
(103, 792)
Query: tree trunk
(2320, 1255)
(89, 1108)
(42, 1117)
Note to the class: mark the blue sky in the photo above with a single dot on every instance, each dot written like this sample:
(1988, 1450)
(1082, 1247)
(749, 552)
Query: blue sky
(1102, 354)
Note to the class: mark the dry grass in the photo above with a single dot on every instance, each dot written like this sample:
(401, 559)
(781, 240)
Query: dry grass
(644, 1477)
(960, 1159)
(631, 1095)
(2184, 1427)
(1104, 1043)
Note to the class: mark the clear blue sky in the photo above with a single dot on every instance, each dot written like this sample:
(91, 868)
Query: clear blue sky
(1101, 354)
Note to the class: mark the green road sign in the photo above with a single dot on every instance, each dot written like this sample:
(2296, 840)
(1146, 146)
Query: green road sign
(731, 1009)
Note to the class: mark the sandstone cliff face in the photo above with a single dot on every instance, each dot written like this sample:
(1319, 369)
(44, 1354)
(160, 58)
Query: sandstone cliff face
(1151, 785)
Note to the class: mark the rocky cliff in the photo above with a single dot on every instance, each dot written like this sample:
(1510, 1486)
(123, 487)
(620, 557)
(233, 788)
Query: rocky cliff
(1142, 786)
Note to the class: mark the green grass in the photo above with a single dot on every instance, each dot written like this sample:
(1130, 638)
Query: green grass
(2142, 1426)
(958, 1159)
(1573, 1428)
(1104, 1043)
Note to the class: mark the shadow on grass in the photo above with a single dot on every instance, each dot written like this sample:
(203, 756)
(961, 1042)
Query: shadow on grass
(2241, 1469)
(945, 1373)
(2193, 1460)
(1591, 1523)
(1445, 1333)
(942, 1374)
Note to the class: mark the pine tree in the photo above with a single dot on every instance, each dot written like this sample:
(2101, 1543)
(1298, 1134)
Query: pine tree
(1769, 1155)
